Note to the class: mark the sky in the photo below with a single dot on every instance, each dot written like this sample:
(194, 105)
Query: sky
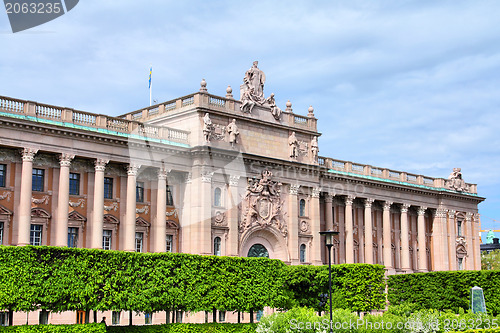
(407, 85)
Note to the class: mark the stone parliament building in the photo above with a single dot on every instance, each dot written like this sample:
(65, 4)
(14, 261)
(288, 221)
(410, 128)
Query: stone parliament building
(214, 175)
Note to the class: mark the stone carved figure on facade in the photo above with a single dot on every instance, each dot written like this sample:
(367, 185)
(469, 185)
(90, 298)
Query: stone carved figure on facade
(207, 127)
(293, 143)
(314, 149)
(455, 181)
(233, 131)
(262, 204)
(255, 78)
(248, 101)
(275, 110)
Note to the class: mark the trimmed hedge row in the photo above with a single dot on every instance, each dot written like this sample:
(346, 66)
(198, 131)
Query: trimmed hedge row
(85, 328)
(358, 287)
(445, 290)
(64, 279)
(186, 328)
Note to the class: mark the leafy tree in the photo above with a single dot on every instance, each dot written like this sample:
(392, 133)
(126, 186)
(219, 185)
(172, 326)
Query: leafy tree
(490, 260)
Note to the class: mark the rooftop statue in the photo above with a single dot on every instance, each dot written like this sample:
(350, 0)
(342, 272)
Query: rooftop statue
(455, 181)
(254, 88)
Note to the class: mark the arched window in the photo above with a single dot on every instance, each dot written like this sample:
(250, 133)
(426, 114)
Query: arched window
(303, 253)
(217, 197)
(258, 251)
(302, 207)
(217, 246)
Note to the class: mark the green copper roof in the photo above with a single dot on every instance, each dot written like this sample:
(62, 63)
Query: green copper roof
(442, 189)
(94, 129)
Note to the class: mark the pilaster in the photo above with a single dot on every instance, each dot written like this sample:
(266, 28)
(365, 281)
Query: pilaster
(63, 200)
(422, 252)
(349, 237)
(98, 215)
(368, 231)
(293, 224)
(25, 196)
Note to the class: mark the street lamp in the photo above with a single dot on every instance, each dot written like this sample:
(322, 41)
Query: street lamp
(329, 243)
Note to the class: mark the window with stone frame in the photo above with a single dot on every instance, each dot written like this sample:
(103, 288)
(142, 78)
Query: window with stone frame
(302, 207)
(459, 228)
(217, 197)
(3, 174)
(303, 253)
(460, 262)
(106, 239)
(72, 237)
(74, 183)
(139, 240)
(38, 178)
(217, 246)
(115, 318)
(108, 188)
(170, 243)
(36, 234)
(139, 192)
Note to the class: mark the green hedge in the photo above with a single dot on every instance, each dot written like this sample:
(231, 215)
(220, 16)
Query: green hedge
(185, 328)
(444, 290)
(87, 328)
(358, 287)
(63, 279)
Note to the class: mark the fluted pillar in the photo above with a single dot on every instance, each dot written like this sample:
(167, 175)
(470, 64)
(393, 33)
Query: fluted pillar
(187, 217)
(329, 212)
(469, 263)
(349, 237)
(232, 218)
(25, 196)
(368, 231)
(316, 245)
(422, 248)
(98, 216)
(293, 213)
(160, 227)
(130, 208)
(452, 241)
(405, 244)
(63, 200)
(386, 226)
(475, 241)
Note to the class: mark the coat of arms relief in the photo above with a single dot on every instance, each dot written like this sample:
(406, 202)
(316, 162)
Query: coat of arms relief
(262, 204)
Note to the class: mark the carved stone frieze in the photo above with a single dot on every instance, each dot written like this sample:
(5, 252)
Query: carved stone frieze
(315, 192)
(143, 210)
(113, 206)
(461, 241)
(9, 155)
(80, 165)
(45, 160)
(206, 176)
(304, 226)
(44, 200)
(303, 148)
(262, 205)
(78, 203)
(6, 195)
(234, 180)
(172, 213)
(218, 132)
(294, 189)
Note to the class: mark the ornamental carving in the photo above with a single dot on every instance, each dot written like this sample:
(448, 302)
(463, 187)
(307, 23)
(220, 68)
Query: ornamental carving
(234, 180)
(262, 204)
(9, 155)
(455, 181)
(219, 219)
(143, 210)
(172, 213)
(113, 206)
(461, 241)
(6, 195)
(218, 132)
(304, 227)
(29, 154)
(303, 148)
(78, 203)
(44, 200)
(45, 160)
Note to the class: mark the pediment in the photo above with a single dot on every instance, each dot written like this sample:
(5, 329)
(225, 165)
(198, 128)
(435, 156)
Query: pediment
(4, 211)
(172, 225)
(108, 218)
(140, 222)
(75, 216)
(39, 212)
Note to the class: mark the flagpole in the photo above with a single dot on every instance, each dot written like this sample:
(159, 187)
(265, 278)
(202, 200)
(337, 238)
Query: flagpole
(150, 85)
(150, 95)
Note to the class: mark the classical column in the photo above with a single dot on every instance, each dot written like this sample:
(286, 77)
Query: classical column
(293, 223)
(159, 231)
(475, 241)
(186, 220)
(205, 213)
(232, 216)
(25, 196)
(386, 226)
(422, 249)
(440, 240)
(405, 246)
(469, 263)
(329, 212)
(63, 200)
(368, 231)
(349, 237)
(130, 208)
(315, 228)
(452, 241)
(98, 216)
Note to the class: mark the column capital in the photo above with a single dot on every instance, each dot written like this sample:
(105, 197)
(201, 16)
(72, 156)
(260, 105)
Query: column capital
(349, 200)
(441, 212)
(65, 159)
(29, 154)
(369, 202)
(162, 173)
(387, 205)
(451, 213)
(132, 169)
(234, 180)
(405, 207)
(315, 192)
(206, 176)
(476, 217)
(294, 189)
(329, 197)
(187, 177)
(421, 210)
(100, 164)
(468, 216)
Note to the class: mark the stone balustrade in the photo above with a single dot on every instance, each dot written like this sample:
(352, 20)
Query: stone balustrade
(388, 174)
(126, 125)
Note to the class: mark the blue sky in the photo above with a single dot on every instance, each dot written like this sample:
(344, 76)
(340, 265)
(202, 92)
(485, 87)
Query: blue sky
(408, 85)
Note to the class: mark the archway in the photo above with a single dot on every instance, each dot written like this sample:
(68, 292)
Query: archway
(269, 239)
(258, 251)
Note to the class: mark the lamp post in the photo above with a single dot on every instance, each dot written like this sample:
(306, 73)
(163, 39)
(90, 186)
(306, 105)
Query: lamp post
(329, 243)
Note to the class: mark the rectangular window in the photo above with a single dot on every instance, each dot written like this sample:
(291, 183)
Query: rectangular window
(36, 235)
(3, 174)
(115, 318)
(1, 233)
(459, 228)
(460, 264)
(74, 183)
(170, 241)
(4, 318)
(38, 177)
(139, 192)
(72, 237)
(170, 197)
(43, 317)
(106, 239)
(108, 188)
(139, 237)
(222, 316)
(148, 318)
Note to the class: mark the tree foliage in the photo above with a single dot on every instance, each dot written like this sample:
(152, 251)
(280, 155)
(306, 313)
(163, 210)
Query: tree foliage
(490, 260)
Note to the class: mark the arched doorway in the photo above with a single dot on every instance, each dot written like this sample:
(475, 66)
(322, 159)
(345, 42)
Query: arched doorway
(258, 251)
